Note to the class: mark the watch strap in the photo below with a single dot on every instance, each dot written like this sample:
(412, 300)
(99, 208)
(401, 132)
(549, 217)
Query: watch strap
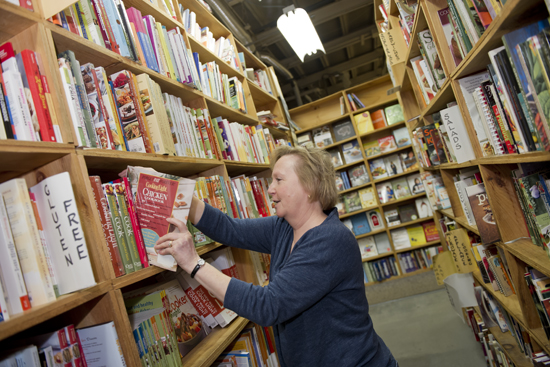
(197, 267)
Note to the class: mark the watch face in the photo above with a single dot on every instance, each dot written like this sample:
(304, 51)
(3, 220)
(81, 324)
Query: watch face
(201, 262)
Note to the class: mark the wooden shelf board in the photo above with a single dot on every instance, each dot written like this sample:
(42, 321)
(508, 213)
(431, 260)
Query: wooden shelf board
(327, 122)
(15, 20)
(452, 165)
(369, 158)
(239, 168)
(515, 158)
(510, 346)
(215, 343)
(205, 55)
(385, 128)
(421, 220)
(207, 19)
(39, 314)
(19, 157)
(529, 253)
(136, 276)
(111, 162)
(218, 108)
(259, 95)
(346, 166)
(277, 133)
(412, 248)
(404, 199)
(439, 102)
(251, 60)
(149, 8)
(372, 233)
(377, 257)
(460, 220)
(339, 143)
(420, 24)
(375, 106)
(416, 272)
(87, 51)
(355, 188)
(357, 212)
(514, 14)
(396, 176)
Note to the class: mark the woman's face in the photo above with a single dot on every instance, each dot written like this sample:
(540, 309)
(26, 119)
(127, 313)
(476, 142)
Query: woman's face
(286, 190)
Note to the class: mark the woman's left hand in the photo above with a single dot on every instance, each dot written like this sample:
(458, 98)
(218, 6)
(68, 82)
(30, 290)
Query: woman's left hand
(180, 245)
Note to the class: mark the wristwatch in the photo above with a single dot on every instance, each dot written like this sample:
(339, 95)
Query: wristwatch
(200, 263)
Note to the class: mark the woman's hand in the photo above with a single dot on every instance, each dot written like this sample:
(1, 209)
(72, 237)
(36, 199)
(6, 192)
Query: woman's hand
(180, 245)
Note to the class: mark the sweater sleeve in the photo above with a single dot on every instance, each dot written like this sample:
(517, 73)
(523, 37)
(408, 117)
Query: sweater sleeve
(315, 267)
(249, 234)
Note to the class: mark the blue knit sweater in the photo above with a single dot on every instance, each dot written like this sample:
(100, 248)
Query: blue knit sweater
(316, 296)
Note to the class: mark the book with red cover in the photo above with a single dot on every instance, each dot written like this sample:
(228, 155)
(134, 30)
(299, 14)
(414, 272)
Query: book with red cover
(28, 67)
(378, 119)
(430, 231)
(107, 226)
(262, 206)
(130, 202)
(483, 214)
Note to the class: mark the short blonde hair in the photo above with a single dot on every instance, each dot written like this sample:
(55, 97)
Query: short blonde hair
(315, 172)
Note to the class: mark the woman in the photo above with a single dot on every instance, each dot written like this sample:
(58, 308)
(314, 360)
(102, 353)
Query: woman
(316, 296)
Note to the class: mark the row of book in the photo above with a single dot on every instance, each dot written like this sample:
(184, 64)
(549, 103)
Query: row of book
(399, 138)
(531, 183)
(436, 192)
(378, 270)
(392, 165)
(367, 122)
(353, 177)
(221, 47)
(130, 112)
(258, 76)
(68, 346)
(418, 259)
(363, 223)
(356, 200)
(345, 154)
(415, 235)
(354, 102)
(22, 3)
(26, 105)
(323, 137)
(400, 188)
(408, 212)
(432, 142)
(253, 347)
(428, 67)
(407, 11)
(34, 268)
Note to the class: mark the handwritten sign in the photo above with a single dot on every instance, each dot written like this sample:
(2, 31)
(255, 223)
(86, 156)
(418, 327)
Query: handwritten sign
(394, 46)
(459, 245)
(444, 266)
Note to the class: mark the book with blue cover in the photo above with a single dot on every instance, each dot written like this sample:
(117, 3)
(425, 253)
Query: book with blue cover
(360, 224)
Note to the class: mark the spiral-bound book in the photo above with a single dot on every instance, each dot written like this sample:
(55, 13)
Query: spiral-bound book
(489, 122)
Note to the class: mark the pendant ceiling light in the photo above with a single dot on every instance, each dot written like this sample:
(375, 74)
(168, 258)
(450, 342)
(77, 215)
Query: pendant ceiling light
(297, 28)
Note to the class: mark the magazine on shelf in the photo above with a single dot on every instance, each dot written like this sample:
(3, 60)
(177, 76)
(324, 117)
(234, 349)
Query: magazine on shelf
(322, 137)
(415, 184)
(393, 165)
(401, 188)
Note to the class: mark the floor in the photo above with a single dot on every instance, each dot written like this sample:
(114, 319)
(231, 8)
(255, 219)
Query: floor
(424, 331)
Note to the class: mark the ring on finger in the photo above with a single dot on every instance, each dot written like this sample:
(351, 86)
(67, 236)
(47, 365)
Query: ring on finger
(170, 245)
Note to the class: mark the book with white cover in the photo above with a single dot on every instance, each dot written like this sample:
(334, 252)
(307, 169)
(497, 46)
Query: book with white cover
(400, 238)
(4, 313)
(460, 141)
(25, 356)
(367, 247)
(101, 346)
(62, 225)
(10, 270)
(463, 197)
(27, 241)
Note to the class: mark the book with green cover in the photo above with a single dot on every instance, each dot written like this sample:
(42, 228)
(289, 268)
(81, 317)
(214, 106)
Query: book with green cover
(120, 192)
(371, 148)
(394, 114)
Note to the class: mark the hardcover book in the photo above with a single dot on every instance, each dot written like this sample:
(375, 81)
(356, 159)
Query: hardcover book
(367, 197)
(336, 157)
(401, 188)
(378, 119)
(392, 217)
(322, 137)
(343, 130)
(159, 196)
(378, 169)
(394, 114)
(452, 41)
(387, 144)
(101, 346)
(352, 152)
(363, 122)
(402, 138)
(58, 211)
(454, 124)
(416, 235)
(385, 193)
(393, 165)
(483, 213)
(375, 220)
(352, 202)
(415, 183)
(408, 160)
(382, 243)
(360, 224)
(367, 246)
(358, 175)
(371, 148)
(400, 238)
(430, 231)
(407, 213)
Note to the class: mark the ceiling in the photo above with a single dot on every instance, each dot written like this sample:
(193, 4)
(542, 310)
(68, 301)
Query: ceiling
(346, 28)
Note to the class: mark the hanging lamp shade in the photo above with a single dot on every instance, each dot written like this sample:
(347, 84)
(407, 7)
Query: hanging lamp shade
(297, 28)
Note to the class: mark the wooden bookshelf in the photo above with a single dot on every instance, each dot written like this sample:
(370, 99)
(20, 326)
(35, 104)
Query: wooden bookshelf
(516, 244)
(326, 111)
(406, 224)
(35, 160)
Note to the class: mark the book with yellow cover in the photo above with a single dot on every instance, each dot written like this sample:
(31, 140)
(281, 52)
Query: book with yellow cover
(367, 197)
(363, 123)
(416, 236)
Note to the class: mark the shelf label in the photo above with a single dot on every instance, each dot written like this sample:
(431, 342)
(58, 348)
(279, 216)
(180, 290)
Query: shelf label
(461, 249)
(394, 46)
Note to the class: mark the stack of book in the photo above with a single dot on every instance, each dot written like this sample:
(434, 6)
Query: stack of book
(407, 11)
(399, 139)
(418, 259)
(400, 188)
(428, 67)
(26, 107)
(363, 223)
(69, 347)
(254, 346)
(366, 122)
(378, 270)
(266, 117)
(34, 267)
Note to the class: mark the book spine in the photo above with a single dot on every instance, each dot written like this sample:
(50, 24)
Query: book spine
(101, 24)
(121, 198)
(462, 31)
(80, 133)
(108, 27)
(135, 223)
(118, 227)
(107, 226)
(4, 109)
